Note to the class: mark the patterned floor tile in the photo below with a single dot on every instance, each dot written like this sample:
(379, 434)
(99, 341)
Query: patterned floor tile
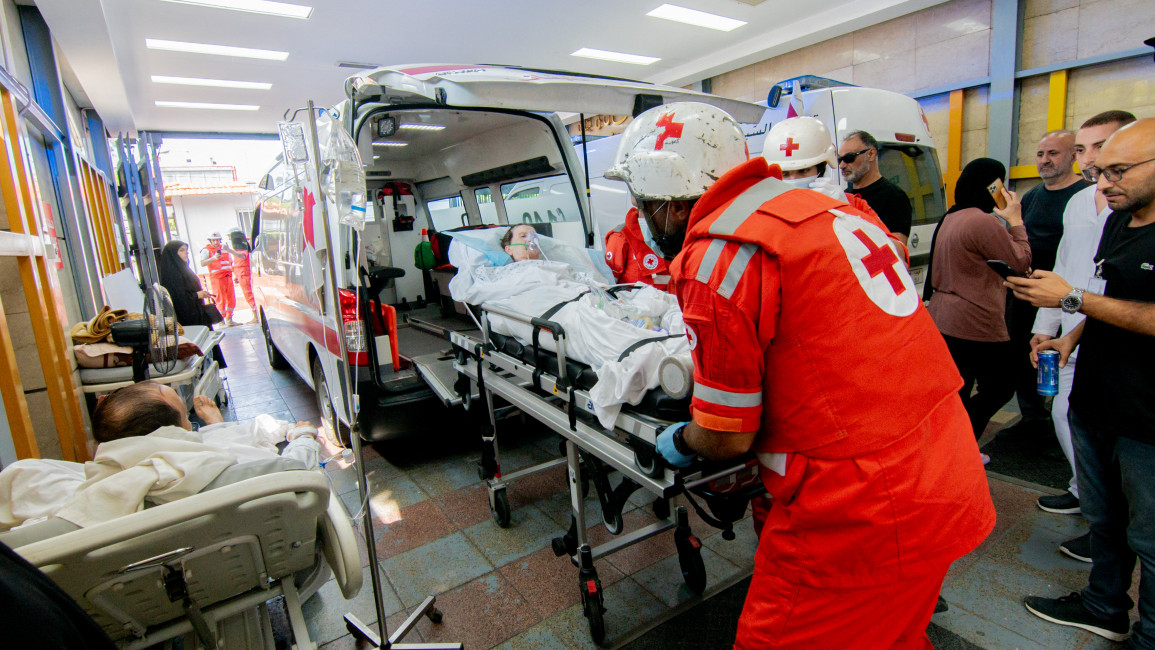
(480, 614)
(324, 612)
(416, 525)
(529, 530)
(467, 506)
(550, 583)
(664, 579)
(435, 568)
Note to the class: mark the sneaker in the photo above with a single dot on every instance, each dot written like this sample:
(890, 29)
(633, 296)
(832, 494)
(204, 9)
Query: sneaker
(1078, 548)
(1070, 611)
(1063, 504)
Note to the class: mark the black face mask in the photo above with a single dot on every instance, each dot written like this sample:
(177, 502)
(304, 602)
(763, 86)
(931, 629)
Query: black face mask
(669, 243)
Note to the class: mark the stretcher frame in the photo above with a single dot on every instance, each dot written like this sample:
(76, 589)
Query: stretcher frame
(556, 402)
(194, 374)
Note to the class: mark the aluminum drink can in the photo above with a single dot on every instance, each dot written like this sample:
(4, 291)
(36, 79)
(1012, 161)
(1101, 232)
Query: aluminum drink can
(1049, 372)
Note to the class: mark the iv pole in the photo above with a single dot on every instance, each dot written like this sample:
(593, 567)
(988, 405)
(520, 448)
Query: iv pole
(381, 638)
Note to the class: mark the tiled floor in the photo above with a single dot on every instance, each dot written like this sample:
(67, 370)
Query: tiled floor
(503, 587)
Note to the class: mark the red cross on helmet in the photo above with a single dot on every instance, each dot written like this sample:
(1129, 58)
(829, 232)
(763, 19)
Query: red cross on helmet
(677, 151)
(798, 143)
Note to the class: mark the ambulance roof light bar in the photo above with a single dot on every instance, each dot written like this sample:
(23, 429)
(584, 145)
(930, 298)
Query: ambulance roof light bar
(800, 84)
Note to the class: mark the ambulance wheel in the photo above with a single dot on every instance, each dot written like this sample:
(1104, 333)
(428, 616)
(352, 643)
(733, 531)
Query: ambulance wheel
(501, 508)
(592, 604)
(693, 569)
(325, 405)
(276, 359)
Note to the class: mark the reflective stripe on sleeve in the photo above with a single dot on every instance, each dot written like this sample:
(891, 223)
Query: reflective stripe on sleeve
(709, 261)
(726, 397)
(728, 222)
(736, 270)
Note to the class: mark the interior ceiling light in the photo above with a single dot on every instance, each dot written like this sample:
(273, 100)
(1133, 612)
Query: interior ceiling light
(216, 83)
(697, 18)
(390, 144)
(219, 50)
(267, 7)
(211, 107)
(617, 57)
(423, 127)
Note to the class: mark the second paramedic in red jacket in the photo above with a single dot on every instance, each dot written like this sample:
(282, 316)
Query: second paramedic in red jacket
(632, 258)
(219, 262)
(812, 349)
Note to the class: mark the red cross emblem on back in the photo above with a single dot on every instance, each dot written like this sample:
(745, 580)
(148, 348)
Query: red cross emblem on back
(881, 260)
(670, 129)
(789, 147)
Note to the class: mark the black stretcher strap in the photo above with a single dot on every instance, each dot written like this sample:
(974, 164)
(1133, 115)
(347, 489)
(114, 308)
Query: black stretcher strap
(638, 344)
(542, 322)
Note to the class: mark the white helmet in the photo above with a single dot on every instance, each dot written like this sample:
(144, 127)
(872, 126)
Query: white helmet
(677, 151)
(798, 143)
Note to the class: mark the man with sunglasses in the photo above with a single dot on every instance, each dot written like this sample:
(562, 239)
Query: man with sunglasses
(1112, 411)
(1083, 220)
(858, 162)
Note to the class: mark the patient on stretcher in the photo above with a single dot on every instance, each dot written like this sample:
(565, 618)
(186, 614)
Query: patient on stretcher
(624, 335)
(148, 455)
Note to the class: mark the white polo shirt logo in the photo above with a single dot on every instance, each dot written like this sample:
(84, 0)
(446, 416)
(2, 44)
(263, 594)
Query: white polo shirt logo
(877, 267)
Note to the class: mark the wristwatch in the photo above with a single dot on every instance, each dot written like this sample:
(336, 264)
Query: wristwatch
(680, 443)
(1072, 302)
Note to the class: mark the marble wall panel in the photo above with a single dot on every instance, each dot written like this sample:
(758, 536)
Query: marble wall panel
(1032, 8)
(1107, 26)
(952, 19)
(958, 59)
(885, 39)
(1050, 38)
(1124, 85)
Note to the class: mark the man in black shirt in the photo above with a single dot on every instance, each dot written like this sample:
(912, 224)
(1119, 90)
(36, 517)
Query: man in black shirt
(858, 162)
(1043, 207)
(1112, 410)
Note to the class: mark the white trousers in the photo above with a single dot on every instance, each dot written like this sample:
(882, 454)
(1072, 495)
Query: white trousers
(1059, 408)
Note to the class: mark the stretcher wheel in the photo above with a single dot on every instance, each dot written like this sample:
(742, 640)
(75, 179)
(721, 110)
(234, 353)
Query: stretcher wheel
(614, 524)
(693, 568)
(501, 508)
(434, 615)
(645, 459)
(593, 611)
(662, 508)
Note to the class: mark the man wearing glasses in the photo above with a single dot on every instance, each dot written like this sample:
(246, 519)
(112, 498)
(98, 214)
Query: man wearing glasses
(1112, 411)
(858, 162)
(1083, 220)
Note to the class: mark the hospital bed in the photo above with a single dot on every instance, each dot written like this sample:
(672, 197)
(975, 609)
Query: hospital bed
(206, 565)
(553, 389)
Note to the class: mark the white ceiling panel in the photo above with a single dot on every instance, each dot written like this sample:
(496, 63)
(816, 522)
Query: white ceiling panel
(104, 41)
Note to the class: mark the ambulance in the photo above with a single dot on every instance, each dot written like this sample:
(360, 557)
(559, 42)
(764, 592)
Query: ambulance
(907, 155)
(414, 151)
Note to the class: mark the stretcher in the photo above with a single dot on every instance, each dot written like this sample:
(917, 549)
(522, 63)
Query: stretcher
(553, 389)
(185, 376)
(206, 565)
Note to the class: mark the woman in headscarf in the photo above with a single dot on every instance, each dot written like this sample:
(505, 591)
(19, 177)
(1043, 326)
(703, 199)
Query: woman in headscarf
(184, 287)
(969, 301)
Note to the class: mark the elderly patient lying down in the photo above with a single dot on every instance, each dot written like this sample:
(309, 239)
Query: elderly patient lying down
(148, 455)
(625, 336)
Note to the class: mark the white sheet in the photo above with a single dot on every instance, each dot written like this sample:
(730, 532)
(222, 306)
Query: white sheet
(596, 333)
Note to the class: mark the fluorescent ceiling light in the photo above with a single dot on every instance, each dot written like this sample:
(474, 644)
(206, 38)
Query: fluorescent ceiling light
(697, 18)
(422, 127)
(212, 107)
(283, 9)
(220, 50)
(216, 83)
(390, 144)
(617, 57)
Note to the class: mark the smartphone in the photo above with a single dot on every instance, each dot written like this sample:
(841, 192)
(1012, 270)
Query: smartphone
(996, 190)
(1003, 269)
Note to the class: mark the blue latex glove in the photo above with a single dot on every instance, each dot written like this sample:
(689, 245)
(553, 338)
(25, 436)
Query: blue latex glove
(665, 445)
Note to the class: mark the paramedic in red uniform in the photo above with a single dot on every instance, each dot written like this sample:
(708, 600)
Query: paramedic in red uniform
(218, 260)
(242, 268)
(812, 349)
(632, 258)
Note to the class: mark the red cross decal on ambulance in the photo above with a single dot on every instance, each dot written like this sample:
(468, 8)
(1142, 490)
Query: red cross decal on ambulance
(875, 265)
(789, 147)
(670, 129)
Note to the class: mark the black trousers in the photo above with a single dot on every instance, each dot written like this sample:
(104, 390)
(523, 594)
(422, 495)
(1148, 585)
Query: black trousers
(1020, 321)
(990, 367)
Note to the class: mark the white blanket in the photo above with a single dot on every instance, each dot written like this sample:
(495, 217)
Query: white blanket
(598, 327)
(168, 464)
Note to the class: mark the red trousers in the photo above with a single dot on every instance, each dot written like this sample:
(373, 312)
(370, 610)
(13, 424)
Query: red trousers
(781, 613)
(245, 279)
(226, 296)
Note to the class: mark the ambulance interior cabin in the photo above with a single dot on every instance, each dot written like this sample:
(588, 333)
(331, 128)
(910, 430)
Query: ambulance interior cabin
(442, 169)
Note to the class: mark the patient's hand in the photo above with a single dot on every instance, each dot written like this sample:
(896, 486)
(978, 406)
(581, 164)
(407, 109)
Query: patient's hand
(207, 410)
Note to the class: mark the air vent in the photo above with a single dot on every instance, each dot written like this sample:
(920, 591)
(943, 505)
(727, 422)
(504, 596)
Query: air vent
(357, 66)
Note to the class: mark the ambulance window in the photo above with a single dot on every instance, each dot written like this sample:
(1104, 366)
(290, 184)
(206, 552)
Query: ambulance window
(915, 169)
(447, 213)
(542, 200)
(486, 205)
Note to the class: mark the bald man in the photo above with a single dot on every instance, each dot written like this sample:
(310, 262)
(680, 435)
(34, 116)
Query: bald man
(1043, 208)
(1112, 408)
